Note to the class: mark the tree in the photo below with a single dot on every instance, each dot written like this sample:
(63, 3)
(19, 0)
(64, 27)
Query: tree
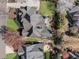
(47, 8)
(13, 39)
(58, 21)
(77, 2)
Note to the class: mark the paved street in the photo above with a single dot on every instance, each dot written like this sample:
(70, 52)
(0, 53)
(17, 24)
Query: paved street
(2, 48)
(2, 22)
(2, 45)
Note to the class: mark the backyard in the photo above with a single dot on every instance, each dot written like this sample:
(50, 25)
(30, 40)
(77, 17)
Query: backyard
(47, 8)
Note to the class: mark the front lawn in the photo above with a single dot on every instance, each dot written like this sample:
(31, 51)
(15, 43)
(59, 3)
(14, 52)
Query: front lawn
(11, 56)
(47, 8)
(11, 24)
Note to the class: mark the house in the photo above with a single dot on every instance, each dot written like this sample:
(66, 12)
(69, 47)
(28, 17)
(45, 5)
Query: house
(34, 51)
(34, 23)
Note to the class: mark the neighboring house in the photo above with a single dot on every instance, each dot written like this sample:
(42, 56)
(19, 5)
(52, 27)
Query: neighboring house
(19, 3)
(74, 12)
(73, 17)
(34, 51)
(63, 5)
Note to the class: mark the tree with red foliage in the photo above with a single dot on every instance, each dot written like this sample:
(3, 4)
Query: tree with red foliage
(13, 39)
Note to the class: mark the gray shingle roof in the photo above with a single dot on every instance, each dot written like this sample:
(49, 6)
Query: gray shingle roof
(74, 9)
(77, 23)
(74, 12)
(34, 51)
(31, 10)
(31, 18)
(39, 27)
(36, 19)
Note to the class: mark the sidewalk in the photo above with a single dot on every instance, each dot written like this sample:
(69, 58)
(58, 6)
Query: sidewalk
(8, 50)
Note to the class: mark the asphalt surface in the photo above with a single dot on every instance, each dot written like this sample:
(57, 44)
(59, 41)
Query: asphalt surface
(2, 48)
(2, 44)
(2, 22)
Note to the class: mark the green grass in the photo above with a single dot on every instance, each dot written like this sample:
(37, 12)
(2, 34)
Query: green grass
(47, 55)
(33, 39)
(11, 56)
(47, 8)
(11, 24)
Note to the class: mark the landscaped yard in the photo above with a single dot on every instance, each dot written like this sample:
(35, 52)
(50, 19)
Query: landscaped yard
(47, 55)
(11, 56)
(11, 24)
(47, 8)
